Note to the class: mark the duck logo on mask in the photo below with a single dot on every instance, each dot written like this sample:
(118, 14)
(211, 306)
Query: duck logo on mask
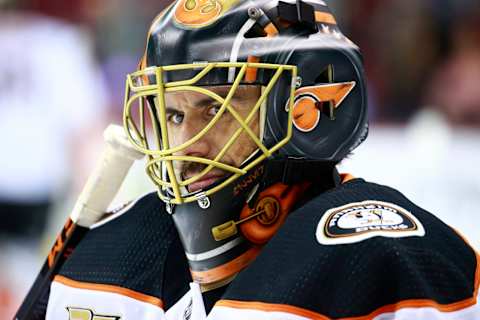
(200, 13)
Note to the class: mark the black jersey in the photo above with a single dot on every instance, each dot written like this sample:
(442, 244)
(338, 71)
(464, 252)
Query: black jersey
(359, 251)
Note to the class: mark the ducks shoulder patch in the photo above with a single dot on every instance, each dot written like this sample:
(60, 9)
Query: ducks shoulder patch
(358, 221)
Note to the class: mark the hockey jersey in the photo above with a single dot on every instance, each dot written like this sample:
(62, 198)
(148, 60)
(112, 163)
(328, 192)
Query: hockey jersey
(359, 251)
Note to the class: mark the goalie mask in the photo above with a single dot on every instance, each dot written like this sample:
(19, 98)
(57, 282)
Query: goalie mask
(239, 106)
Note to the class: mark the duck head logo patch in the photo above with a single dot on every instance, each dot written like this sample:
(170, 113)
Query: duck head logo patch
(358, 221)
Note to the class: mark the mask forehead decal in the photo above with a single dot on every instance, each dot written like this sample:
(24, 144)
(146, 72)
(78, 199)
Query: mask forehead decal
(200, 13)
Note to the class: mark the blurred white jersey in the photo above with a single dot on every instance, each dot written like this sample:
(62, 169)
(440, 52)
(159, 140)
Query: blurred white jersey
(49, 87)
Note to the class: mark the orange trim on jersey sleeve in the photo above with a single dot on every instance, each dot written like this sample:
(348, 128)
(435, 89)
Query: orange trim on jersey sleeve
(261, 306)
(324, 17)
(414, 303)
(110, 288)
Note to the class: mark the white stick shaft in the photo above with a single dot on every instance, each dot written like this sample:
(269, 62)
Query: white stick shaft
(107, 177)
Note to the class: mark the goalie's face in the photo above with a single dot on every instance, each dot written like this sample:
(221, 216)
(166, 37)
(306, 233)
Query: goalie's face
(201, 138)
(189, 112)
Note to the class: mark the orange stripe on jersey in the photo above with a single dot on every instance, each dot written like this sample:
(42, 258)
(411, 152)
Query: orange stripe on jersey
(270, 308)
(423, 303)
(109, 288)
(324, 17)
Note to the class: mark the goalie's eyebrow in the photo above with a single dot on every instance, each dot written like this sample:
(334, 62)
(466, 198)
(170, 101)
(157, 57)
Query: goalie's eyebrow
(205, 102)
(170, 110)
(202, 103)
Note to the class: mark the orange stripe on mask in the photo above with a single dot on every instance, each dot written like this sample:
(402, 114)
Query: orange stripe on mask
(324, 17)
(226, 270)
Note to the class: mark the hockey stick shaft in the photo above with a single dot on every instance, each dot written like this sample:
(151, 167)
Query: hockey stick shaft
(98, 193)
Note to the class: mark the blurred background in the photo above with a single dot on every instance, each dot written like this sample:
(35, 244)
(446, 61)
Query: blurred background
(62, 73)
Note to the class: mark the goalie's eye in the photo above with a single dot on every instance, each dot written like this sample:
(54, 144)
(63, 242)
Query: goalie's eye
(214, 109)
(175, 117)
